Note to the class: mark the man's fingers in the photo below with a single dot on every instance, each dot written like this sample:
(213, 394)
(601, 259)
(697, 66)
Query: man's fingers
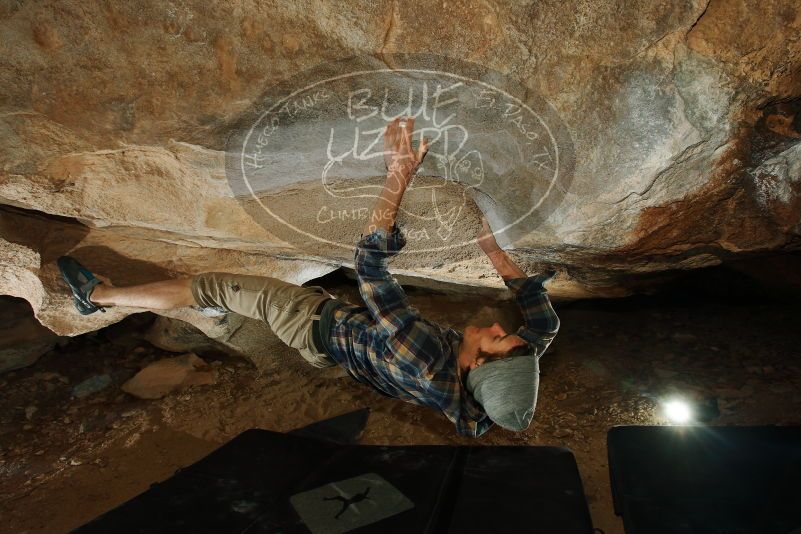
(390, 131)
(422, 149)
(397, 131)
(406, 132)
(398, 140)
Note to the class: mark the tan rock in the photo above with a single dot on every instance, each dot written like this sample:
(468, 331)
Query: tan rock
(172, 374)
(22, 338)
(683, 120)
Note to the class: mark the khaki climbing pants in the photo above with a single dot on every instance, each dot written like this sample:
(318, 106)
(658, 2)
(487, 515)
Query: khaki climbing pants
(289, 309)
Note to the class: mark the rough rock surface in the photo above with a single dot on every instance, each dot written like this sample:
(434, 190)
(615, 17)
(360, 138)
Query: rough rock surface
(22, 338)
(684, 120)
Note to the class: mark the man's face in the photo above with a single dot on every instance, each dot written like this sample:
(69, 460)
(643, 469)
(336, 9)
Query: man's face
(492, 340)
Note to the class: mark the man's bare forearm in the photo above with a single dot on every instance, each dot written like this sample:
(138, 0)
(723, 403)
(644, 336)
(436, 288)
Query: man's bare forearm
(504, 265)
(385, 209)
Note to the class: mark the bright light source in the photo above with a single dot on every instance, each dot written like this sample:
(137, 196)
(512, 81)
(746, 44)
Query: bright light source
(678, 411)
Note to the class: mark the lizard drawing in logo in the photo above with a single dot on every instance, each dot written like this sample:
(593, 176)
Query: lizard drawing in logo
(454, 164)
(347, 502)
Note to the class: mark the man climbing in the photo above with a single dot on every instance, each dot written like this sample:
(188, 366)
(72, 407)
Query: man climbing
(478, 377)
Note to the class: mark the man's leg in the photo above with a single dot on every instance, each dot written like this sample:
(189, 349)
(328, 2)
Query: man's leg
(164, 295)
(287, 308)
(257, 297)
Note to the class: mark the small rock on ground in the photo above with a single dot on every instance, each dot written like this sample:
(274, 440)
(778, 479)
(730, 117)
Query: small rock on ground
(170, 374)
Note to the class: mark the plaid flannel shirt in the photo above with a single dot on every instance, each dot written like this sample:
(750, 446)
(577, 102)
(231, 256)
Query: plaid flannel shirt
(390, 347)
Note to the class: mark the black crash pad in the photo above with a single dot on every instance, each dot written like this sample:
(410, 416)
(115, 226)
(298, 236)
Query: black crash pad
(698, 479)
(259, 480)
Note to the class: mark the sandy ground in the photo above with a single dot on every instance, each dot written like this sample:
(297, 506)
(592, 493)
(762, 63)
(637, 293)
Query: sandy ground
(63, 460)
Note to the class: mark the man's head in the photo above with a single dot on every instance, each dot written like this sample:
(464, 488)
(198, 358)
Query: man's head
(481, 345)
(502, 374)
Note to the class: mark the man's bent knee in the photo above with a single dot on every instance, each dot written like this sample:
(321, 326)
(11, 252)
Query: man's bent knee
(204, 291)
(218, 290)
(257, 297)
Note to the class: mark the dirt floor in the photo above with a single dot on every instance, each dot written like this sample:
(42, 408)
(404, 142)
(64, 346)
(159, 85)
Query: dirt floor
(65, 460)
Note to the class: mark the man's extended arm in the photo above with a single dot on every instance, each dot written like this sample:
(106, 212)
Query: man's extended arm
(541, 321)
(381, 239)
(499, 258)
(401, 163)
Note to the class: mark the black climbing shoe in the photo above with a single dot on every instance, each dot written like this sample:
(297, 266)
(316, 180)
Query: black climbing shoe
(81, 282)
